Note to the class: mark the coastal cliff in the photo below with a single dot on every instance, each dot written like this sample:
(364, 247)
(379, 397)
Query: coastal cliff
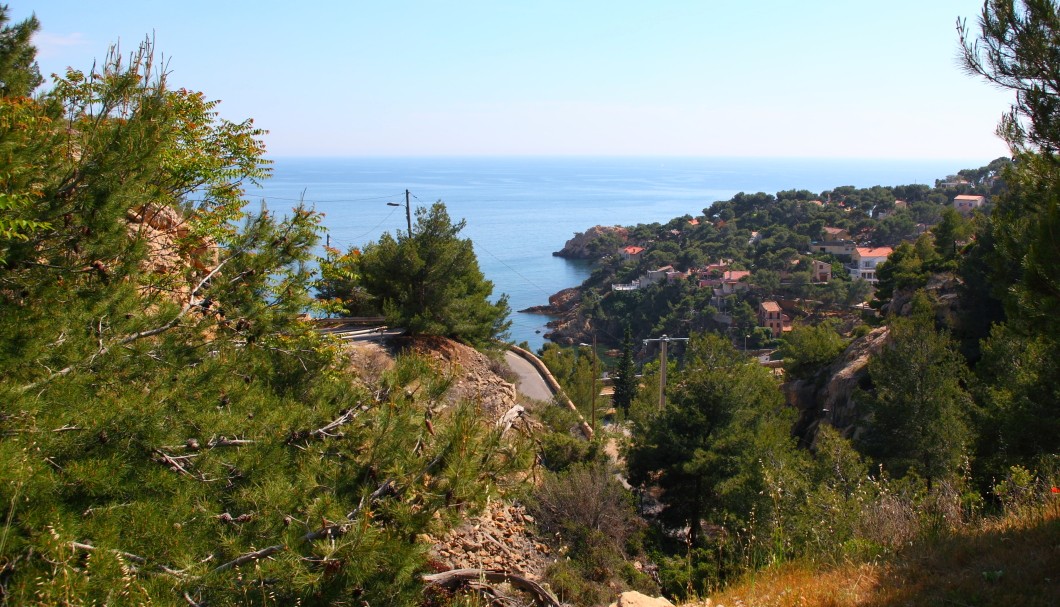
(594, 243)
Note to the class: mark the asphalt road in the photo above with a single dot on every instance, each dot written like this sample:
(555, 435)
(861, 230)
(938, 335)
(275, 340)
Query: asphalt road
(530, 383)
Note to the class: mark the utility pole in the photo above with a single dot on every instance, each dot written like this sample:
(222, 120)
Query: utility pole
(595, 389)
(663, 341)
(408, 211)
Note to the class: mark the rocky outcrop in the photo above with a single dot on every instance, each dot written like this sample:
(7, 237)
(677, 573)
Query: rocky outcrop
(594, 243)
(502, 538)
(569, 329)
(170, 248)
(560, 303)
(475, 379)
(828, 396)
(636, 599)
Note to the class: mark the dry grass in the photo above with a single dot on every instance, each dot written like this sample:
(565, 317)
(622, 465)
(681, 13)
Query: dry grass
(1014, 561)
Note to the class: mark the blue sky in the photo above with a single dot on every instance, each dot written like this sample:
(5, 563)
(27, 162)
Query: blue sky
(686, 78)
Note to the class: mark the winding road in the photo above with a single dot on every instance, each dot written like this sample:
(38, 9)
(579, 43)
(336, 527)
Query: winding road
(530, 383)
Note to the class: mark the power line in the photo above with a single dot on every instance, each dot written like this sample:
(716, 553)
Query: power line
(374, 199)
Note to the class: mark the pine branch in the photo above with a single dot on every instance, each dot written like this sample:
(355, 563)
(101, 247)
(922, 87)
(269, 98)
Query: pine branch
(104, 349)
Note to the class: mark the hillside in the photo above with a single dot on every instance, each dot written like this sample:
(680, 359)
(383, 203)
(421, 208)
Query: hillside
(1013, 561)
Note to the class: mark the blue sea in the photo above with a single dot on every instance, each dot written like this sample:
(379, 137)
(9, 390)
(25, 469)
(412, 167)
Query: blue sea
(519, 210)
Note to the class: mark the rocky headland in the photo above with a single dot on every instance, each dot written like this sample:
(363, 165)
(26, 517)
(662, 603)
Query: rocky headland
(594, 243)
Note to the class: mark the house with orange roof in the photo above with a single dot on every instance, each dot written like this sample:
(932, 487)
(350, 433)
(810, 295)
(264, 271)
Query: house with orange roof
(631, 252)
(728, 283)
(864, 261)
(773, 318)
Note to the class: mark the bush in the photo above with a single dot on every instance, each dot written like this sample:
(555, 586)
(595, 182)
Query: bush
(593, 515)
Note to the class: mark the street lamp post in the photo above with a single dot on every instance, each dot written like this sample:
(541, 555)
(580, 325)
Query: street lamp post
(408, 211)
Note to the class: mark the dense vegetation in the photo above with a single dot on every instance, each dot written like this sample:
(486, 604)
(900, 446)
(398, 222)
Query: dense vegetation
(956, 415)
(170, 432)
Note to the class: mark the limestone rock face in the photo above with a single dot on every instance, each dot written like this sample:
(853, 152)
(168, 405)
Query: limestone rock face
(565, 300)
(636, 599)
(170, 249)
(502, 537)
(588, 245)
(827, 397)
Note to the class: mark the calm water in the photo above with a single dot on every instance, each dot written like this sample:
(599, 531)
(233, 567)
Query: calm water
(520, 210)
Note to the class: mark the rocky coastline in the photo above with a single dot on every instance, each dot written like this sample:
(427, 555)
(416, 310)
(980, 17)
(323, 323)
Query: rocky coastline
(594, 243)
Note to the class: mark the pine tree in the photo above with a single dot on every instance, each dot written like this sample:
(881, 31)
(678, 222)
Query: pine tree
(626, 382)
(1015, 49)
(19, 74)
(171, 433)
(723, 427)
(919, 408)
(429, 282)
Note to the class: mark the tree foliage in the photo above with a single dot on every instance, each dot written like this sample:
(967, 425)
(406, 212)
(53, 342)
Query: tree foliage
(429, 282)
(1015, 49)
(170, 431)
(19, 74)
(807, 348)
(708, 451)
(626, 383)
(919, 408)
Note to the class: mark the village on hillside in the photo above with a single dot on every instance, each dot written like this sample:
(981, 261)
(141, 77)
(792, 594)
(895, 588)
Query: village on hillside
(752, 266)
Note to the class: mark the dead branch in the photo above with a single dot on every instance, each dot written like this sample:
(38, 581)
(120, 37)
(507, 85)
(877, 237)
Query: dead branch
(457, 577)
(223, 441)
(217, 442)
(509, 418)
(175, 465)
(250, 557)
(139, 560)
(347, 416)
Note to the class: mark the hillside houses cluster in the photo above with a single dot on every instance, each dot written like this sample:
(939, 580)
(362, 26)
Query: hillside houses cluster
(860, 262)
(725, 281)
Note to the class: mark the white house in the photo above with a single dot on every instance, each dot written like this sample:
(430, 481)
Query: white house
(966, 203)
(864, 261)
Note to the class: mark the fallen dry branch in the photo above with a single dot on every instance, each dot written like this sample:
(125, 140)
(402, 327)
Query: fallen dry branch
(173, 461)
(243, 559)
(484, 578)
(139, 560)
(223, 441)
(347, 416)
